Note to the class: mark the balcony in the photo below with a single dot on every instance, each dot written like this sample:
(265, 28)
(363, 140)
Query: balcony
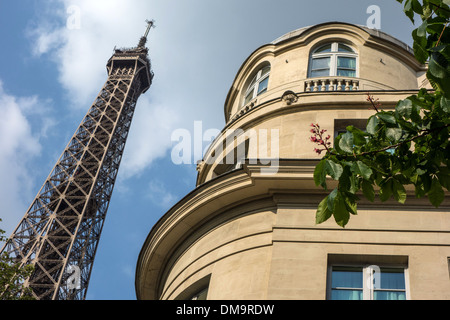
(331, 84)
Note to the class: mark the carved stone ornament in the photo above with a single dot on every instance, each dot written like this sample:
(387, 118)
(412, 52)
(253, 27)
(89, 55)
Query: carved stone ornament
(289, 97)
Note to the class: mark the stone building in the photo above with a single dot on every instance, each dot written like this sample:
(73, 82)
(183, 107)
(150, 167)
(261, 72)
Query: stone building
(247, 231)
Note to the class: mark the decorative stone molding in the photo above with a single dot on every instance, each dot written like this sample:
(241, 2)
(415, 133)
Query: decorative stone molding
(289, 97)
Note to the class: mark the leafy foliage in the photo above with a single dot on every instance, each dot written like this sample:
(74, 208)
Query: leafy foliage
(406, 146)
(12, 276)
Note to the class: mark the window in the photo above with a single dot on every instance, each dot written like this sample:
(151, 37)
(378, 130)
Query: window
(448, 263)
(200, 295)
(340, 125)
(196, 291)
(333, 59)
(258, 85)
(367, 283)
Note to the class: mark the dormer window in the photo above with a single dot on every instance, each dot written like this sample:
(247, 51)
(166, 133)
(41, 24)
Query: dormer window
(258, 84)
(333, 59)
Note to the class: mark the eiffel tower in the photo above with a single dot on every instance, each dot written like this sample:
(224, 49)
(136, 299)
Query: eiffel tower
(60, 232)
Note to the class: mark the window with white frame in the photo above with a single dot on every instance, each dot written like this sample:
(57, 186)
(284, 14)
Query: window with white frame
(333, 59)
(367, 283)
(196, 291)
(200, 295)
(258, 84)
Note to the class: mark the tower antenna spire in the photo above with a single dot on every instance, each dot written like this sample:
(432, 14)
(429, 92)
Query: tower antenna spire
(143, 41)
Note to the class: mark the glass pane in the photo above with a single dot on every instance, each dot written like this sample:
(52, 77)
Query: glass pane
(344, 48)
(346, 73)
(325, 48)
(201, 295)
(320, 73)
(389, 295)
(346, 295)
(265, 71)
(249, 97)
(345, 62)
(320, 63)
(253, 81)
(392, 279)
(263, 85)
(347, 277)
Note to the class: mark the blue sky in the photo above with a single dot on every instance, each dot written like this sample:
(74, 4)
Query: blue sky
(50, 74)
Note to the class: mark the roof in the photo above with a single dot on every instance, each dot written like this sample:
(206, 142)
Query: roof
(373, 32)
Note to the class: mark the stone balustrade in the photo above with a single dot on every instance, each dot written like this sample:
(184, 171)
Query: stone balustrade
(331, 84)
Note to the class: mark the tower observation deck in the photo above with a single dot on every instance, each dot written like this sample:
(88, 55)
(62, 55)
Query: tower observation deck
(60, 231)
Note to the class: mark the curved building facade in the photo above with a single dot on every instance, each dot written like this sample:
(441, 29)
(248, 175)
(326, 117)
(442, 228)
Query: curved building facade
(247, 231)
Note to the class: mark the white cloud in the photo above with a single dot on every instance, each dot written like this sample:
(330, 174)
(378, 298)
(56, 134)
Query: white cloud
(19, 145)
(80, 55)
(81, 52)
(149, 138)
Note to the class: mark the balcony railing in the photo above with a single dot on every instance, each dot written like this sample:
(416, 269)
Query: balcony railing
(331, 84)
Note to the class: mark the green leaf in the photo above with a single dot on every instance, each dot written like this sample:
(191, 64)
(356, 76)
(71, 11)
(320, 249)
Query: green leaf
(351, 205)
(436, 193)
(346, 142)
(440, 84)
(438, 65)
(445, 104)
(417, 7)
(409, 10)
(399, 192)
(372, 125)
(386, 190)
(344, 180)
(423, 185)
(444, 179)
(340, 212)
(422, 30)
(394, 134)
(331, 198)
(368, 191)
(404, 108)
(388, 118)
(322, 213)
(320, 174)
(362, 169)
(334, 170)
(359, 136)
(420, 51)
(336, 144)
(354, 185)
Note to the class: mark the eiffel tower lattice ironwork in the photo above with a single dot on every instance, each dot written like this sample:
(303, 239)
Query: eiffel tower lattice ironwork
(59, 233)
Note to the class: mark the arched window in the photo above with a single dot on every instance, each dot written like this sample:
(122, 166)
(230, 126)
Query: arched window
(333, 59)
(258, 85)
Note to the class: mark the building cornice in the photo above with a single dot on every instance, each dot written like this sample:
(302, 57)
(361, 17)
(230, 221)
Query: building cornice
(292, 185)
